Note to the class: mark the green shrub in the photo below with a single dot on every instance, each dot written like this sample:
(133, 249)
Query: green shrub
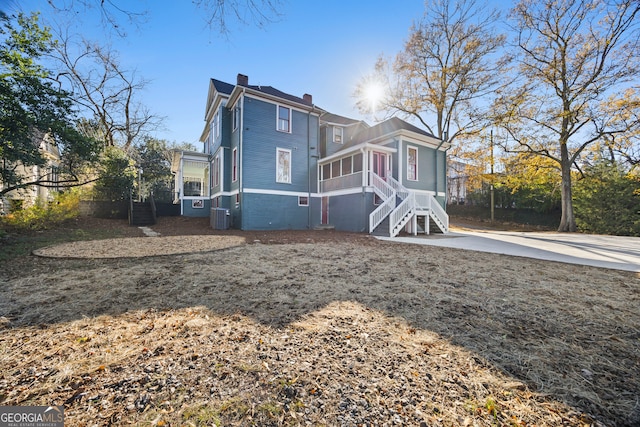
(43, 215)
(607, 201)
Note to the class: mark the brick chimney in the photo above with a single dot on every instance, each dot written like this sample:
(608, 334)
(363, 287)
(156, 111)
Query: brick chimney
(243, 80)
(307, 98)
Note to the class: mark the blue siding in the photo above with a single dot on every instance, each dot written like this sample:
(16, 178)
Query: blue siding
(442, 172)
(330, 146)
(188, 210)
(260, 140)
(426, 169)
(235, 212)
(316, 211)
(351, 212)
(217, 188)
(271, 212)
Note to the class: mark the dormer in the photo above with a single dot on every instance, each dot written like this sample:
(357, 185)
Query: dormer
(336, 132)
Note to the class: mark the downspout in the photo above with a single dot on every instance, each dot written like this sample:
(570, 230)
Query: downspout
(442, 141)
(181, 181)
(309, 170)
(446, 189)
(365, 182)
(240, 166)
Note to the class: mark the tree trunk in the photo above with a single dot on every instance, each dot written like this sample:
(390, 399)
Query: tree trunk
(567, 221)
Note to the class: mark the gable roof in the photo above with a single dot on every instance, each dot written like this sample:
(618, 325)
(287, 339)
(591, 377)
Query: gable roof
(338, 120)
(270, 90)
(388, 127)
(222, 87)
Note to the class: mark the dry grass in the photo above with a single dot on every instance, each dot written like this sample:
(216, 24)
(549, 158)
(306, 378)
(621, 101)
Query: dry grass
(349, 332)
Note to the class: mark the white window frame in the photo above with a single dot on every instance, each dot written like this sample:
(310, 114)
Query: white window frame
(409, 177)
(340, 135)
(236, 118)
(283, 176)
(303, 203)
(216, 124)
(216, 171)
(288, 121)
(211, 139)
(234, 166)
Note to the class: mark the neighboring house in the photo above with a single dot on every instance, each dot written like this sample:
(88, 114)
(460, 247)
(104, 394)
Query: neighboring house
(49, 172)
(192, 179)
(457, 182)
(277, 161)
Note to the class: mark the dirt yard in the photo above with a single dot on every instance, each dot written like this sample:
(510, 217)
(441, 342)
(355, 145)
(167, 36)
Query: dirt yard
(203, 327)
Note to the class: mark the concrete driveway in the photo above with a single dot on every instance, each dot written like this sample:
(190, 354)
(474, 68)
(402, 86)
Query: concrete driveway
(621, 253)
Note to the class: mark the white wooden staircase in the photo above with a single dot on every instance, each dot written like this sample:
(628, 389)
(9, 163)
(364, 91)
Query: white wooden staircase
(401, 205)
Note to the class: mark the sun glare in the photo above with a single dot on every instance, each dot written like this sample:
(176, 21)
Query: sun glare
(374, 93)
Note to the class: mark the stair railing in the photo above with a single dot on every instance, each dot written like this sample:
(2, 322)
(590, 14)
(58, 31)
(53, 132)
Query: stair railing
(427, 202)
(387, 194)
(400, 189)
(440, 214)
(380, 186)
(402, 214)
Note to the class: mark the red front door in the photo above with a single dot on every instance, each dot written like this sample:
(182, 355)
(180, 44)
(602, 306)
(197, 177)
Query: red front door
(380, 164)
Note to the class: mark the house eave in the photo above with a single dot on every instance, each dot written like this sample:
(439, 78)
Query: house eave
(362, 146)
(178, 154)
(405, 134)
(233, 98)
(361, 122)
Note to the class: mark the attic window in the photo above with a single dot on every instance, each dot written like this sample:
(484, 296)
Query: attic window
(337, 134)
(284, 119)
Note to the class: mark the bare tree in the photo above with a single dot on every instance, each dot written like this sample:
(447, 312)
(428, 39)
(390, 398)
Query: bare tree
(574, 59)
(447, 65)
(100, 85)
(113, 15)
(218, 15)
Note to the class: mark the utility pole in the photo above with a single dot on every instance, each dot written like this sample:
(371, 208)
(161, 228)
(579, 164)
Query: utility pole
(493, 202)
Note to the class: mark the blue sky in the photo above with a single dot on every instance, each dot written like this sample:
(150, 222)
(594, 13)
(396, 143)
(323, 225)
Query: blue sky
(318, 47)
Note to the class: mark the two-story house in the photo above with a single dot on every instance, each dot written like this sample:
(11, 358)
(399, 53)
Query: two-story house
(46, 174)
(277, 161)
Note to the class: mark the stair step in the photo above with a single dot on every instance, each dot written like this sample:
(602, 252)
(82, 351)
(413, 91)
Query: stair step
(142, 214)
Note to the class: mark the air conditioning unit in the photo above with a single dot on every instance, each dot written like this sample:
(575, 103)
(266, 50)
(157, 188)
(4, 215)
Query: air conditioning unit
(220, 218)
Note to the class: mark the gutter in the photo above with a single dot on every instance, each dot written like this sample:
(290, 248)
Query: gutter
(308, 170)
(442, 141)
(240, 165)
(181, 181)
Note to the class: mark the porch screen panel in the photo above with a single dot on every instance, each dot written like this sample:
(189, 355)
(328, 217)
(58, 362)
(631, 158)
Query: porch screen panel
(357, 163)
(346, 166)
(326, 171)
(335, 169)
(195, 178)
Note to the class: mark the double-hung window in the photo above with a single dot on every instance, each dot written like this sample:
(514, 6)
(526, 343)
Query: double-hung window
(337, 134)
(284, 119)
(216, 125)
(283, 165)
(412, 163)
(236, 118)
(216, 170)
